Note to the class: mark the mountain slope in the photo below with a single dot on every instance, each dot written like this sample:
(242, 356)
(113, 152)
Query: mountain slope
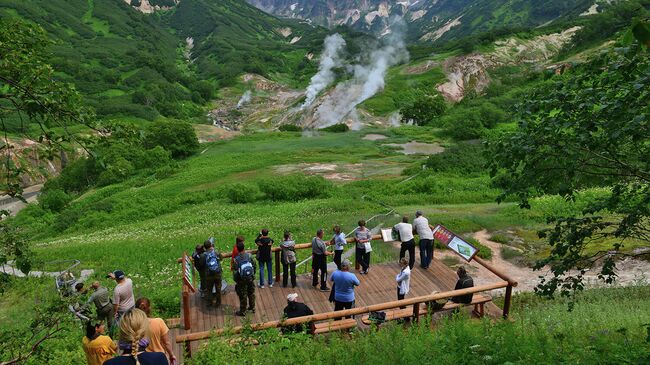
(428, 19)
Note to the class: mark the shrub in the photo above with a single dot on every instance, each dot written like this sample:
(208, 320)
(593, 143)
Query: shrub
(462, 129)
(289, 128)
(295, 187)
(337, 128)
(242, 193)
(462, 159)
(118, 171)
(500, 238)
(179, 138)
(424, 109)
(54, 200)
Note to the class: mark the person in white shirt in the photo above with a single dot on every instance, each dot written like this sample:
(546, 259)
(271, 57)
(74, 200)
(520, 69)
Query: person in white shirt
(422, 228)
(405, 231)
(403, 279)
(339, 243)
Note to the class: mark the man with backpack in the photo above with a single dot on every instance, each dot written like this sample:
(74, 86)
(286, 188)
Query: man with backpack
(210, 262)
(244, 275)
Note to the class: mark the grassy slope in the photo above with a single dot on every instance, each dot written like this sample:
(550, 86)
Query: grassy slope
(607, 326)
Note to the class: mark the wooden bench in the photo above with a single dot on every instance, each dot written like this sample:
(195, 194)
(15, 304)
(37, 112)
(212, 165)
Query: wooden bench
(478, 301)
(331, 326)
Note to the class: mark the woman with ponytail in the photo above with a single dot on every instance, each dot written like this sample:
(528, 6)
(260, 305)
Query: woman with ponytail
(134, 339)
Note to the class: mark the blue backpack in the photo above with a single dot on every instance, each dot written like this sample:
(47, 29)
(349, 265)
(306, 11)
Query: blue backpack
(212, 263)
(246, 269)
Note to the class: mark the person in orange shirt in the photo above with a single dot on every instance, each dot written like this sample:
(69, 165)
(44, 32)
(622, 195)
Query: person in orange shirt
(159, 332)
(97, 346)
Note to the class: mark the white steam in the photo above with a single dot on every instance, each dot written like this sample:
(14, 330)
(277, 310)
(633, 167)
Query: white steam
(395, 119)
(245, 99)
(367, 81)
(330, 59)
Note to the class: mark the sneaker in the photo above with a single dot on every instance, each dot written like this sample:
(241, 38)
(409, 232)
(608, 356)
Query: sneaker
(240, 314)
(252, 310)
(324, 289)
(261, 286)
(270, 285)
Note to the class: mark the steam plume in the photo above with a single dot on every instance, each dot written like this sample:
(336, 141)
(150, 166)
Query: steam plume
(245, 99)
(330, 59)
(367, 81)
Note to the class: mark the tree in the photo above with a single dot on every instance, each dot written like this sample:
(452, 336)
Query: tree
(424, 108)
(179, 138)
(588, 128)
(29, 92)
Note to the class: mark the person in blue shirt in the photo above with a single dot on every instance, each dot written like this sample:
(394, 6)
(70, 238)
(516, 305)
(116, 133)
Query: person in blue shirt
(344, 283)
(339, 243)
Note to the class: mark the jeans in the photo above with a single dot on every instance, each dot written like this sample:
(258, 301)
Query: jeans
(410, 247)
(426, 252)
(363, 258)
(269, 267)
(319, 264)
(337, 258)
(343, 305)
(285, 274)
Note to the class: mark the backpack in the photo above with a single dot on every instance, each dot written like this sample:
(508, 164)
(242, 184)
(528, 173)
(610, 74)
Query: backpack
(246, 270)
(212, 263)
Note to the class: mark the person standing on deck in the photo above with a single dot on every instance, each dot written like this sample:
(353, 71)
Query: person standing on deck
(244, 274)
(362, 237)
(210, 262)
(288, 260)
(196, 257)
(344, 283)
(320, 253)
(264, 243)
(403, 279)
(339, 243)
(422, 228)
(405, 231)
(102, 301)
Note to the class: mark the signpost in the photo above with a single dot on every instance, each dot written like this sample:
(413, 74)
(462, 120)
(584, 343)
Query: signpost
(455, 243)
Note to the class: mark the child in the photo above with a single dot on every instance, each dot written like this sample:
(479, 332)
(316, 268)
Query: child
(403, 279)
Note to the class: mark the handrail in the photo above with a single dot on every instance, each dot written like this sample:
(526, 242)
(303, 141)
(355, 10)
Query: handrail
(299, 246)
(338, 314)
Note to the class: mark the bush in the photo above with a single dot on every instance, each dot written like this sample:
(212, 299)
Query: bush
(118, 171)
(337, 128)
(424, 109)
(54, 200)
(462, 159)
(289, 128)
(500, 238)
(462, 129)
(295, 187)
(242, 193)
(179, 138)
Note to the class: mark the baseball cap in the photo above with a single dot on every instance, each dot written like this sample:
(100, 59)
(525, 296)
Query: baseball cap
(418, 213)
(119, 274)
(292, 297)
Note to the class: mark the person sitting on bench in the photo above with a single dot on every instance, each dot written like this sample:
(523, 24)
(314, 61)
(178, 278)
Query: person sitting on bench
(464, 281)
(296, 309)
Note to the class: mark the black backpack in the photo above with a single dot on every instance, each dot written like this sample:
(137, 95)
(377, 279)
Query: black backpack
(246, 270)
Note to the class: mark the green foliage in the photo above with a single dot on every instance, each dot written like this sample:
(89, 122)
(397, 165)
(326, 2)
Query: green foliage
(289, 128)
(294, 187)
(242, 193)
(54, 200)
(462, 158)
(337, 128)
(500, 238)
(424, 108)
(179, 138)
(14, 247)
(543, 333)
(588, 128)
(464, 128)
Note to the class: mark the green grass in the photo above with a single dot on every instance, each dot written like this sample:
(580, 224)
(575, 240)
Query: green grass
(607, 326)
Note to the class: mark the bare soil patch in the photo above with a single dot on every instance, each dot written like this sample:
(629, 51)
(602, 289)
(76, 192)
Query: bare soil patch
(418, 148)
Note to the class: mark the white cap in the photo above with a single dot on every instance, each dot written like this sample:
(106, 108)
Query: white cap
(292, 297)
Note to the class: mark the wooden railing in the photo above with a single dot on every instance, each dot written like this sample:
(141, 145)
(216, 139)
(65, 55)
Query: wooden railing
(300, 246)
(415, 302)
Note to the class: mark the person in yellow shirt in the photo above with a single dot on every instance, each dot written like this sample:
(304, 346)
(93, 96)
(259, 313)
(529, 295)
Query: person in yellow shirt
(97, 346)
(159, 332)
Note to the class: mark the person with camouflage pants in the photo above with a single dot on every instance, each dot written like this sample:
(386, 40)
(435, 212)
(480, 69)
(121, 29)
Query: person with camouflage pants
(244, 274)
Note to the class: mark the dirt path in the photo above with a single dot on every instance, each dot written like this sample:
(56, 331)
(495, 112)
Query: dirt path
(629, 271)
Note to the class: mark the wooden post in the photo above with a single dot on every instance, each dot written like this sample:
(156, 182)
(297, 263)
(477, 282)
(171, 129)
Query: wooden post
(187, 321)
(277, 266)
(416, 312)
(506, 304)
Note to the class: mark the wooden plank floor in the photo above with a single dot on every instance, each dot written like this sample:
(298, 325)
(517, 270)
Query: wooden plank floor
(378, 286)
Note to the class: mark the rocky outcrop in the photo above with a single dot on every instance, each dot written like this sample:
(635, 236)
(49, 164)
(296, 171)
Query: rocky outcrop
(146, 6)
